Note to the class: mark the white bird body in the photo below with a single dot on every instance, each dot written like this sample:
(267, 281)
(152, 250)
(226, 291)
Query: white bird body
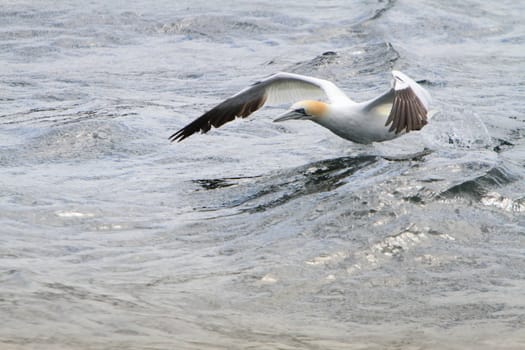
(400, 110)
(349, 122)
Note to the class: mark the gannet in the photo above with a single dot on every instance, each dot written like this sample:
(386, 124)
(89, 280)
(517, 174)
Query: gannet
(400, 110)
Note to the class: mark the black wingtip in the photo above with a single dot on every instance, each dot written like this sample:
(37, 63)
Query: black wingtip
(179, 135)
(189, 130)
(174, 137)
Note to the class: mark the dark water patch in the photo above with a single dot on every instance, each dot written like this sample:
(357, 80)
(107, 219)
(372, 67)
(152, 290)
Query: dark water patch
(49, 116)
(357, 60)
(478, 187)
(213, 184)
(59, 110)
(387, 5)
(432, 83)
(502, 145)
(325, 59)
(265, 192)
(418, 156)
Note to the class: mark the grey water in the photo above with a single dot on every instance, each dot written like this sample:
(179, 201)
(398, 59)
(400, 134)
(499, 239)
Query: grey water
(258, 235)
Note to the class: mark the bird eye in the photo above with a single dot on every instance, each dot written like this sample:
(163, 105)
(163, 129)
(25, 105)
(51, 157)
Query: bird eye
(301, 111)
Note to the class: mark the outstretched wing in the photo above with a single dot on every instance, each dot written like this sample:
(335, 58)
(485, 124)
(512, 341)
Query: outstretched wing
(409, 106)
(276, 89)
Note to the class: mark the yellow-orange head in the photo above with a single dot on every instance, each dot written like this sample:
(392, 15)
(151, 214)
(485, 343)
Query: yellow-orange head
(305, 110)
(311, 108)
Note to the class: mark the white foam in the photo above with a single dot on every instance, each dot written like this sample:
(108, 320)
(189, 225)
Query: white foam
(74, 214)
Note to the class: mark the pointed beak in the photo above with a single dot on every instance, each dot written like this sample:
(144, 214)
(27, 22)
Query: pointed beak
(291, 115)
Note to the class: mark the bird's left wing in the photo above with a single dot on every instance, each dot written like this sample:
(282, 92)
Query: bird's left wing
(276, 89)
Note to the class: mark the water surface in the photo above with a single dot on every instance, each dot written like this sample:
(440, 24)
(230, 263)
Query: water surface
(258, 235)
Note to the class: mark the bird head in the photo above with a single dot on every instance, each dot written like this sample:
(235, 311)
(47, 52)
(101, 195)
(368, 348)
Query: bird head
(304, 110)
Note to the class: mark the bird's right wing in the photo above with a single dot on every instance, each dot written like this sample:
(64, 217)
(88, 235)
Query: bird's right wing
(276, 89)
(409, 106)
(408, 103)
